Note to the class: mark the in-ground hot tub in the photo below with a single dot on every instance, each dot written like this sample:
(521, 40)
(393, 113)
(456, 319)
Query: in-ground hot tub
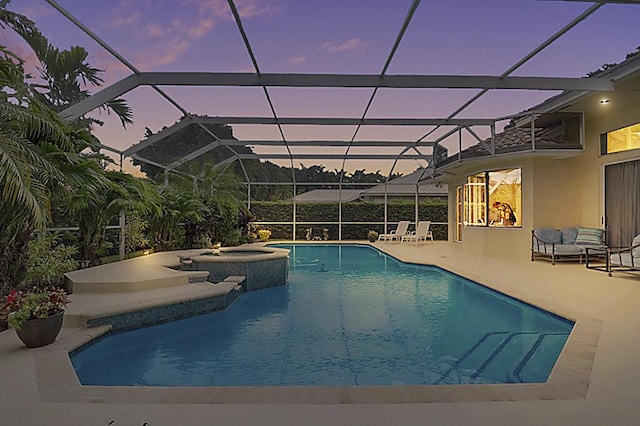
(263, 267)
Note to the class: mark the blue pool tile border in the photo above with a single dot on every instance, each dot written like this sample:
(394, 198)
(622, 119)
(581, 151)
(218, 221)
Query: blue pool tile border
(166, 313)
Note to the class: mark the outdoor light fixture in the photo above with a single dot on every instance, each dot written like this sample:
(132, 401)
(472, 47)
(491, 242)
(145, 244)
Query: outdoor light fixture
(145, 252)
(604, 101)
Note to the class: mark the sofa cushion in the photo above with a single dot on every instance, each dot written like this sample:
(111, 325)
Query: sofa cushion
(569, 235)
(568, 249)
(590, 237)
(623, 259)
(548, 235)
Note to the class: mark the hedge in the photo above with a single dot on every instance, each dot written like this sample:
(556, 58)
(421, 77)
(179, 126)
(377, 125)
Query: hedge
(280, 211)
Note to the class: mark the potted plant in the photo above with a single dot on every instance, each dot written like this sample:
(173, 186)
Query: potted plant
(36, 314)
(373, 236)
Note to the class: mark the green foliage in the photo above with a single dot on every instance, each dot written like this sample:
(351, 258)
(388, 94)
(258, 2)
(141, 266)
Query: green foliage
(95, 209)
(48, 260)
(166, 223)
(186, 140)
(312, 211)
(265, 211)
(136, 236)
(607, 66)
(272, 211)
(232, 238)
(40, 160)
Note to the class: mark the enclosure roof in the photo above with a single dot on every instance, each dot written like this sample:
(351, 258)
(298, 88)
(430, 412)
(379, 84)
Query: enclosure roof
(346, 86)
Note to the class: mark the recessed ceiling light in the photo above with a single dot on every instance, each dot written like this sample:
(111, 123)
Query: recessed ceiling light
(604, 101)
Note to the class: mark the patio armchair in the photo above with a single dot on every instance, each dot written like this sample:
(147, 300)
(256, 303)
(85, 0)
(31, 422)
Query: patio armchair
(403, 227)
(624, 259)
(421, 233)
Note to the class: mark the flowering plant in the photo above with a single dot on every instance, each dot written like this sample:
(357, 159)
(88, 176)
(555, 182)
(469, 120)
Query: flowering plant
(34, 303)
(264, 234)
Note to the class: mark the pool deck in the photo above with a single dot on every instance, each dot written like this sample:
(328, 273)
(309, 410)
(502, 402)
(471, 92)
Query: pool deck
(36, 390)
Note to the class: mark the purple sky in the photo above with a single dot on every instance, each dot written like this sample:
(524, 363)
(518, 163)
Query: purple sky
(466, 37)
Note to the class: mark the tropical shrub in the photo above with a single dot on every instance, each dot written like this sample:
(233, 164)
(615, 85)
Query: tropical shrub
(47, 261)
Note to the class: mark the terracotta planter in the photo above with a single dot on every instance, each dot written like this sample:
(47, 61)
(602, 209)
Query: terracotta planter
(40, 331)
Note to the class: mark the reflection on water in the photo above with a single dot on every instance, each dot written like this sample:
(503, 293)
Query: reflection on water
(350, 315)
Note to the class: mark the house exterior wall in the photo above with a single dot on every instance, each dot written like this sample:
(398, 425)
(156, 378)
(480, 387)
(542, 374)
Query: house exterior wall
(496, 241)
(557, 192)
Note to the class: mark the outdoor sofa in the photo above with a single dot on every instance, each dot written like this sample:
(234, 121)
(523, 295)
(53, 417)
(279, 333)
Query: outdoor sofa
(566, 243)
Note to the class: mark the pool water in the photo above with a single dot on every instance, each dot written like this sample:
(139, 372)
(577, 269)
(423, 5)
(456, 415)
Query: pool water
(350, 315)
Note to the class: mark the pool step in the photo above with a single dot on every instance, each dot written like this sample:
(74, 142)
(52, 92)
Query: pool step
(198, 276)
(489, 354)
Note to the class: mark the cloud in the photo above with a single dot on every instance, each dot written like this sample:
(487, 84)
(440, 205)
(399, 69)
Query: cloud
(192, 30)
(126, 19)
(154, 31)
(349, 45)
(248, 68)
(173, 34)
(297, 60)
(246, 8)
(113, 69)
(160, 54)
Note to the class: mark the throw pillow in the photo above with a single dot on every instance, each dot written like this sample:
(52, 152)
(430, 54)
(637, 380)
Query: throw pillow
(569, 235)
(590, 237)
(548, 235)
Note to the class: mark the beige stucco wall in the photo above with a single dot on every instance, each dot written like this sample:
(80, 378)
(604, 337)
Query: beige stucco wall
(557, 192)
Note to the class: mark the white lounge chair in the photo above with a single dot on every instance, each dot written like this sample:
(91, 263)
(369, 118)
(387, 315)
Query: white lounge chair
(421, 233)
(396, 234)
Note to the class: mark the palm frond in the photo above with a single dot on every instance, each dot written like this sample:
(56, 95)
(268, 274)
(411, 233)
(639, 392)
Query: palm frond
(20, 186)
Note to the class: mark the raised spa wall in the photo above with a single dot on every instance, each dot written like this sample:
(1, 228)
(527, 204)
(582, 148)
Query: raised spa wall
(262, 267)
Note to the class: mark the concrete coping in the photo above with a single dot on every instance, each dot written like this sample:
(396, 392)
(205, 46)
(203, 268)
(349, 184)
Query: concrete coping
(252, 254)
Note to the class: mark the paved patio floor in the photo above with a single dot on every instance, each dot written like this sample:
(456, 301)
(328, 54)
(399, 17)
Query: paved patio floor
(613, 396)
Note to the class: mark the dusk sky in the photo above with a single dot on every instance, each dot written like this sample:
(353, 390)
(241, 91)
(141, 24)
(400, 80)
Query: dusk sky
(465, 37)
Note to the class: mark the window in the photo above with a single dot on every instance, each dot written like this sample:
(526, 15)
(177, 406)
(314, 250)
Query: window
(494, 199)
(475, 203)
(620, 140)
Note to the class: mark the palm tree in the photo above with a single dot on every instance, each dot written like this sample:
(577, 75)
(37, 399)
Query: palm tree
(34, 144)
(94, 209)
(39, 154)
(64, 73)
(178, 207)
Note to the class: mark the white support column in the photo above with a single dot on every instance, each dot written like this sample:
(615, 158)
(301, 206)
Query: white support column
(121, 248)
(417, 200)
(295, 218)
(386, 210)
(340, 219)
(122, 223)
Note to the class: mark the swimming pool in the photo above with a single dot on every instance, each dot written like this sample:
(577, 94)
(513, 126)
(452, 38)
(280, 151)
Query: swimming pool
(350, 315)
